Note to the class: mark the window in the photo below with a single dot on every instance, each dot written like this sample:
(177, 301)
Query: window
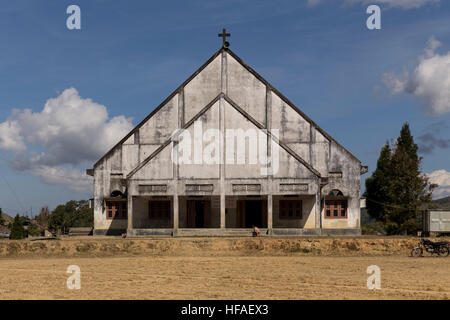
(159, 209)
(116, 210)
(336, 209)
(290, 209)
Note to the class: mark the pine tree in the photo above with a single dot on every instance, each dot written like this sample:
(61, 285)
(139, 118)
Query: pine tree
(409, 188)
(377, 186)
(397, 189)
(17, 229)
(2, 220)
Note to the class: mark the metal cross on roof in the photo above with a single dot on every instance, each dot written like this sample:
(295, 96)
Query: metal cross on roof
(224, 36)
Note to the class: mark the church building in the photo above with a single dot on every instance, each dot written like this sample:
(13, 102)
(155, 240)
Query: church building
(226, 151)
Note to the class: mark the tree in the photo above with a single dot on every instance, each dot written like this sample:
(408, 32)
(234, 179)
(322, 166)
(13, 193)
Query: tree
(72, 214)
(43, 217)
(17, 229)
(397, 189)
(377, 186)
(2, 220)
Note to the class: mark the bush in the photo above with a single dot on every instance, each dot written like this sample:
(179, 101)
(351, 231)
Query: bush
(35, 232)
(17, 229)
(374, 228)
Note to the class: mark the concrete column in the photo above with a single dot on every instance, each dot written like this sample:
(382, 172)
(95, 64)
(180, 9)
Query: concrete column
(222, 210)
(318, 210)
(130, 211)
(269, 212)
(175, 214)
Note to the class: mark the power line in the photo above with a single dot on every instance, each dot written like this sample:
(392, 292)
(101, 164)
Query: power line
(13, 192)
(388, 205)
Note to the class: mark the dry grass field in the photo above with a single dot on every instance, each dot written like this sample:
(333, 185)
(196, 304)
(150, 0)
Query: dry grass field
(221, 274)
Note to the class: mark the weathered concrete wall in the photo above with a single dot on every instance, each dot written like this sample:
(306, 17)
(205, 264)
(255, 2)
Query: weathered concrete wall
(199, 167)
(159, 167)
(292, 127)
(140, 214)
(308, 213)
(242, 166)
(342, 161)
(160, 127)
(246, 90)
(202, 89)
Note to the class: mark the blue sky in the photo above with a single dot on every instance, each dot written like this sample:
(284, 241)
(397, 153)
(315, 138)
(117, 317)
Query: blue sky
(359, 85)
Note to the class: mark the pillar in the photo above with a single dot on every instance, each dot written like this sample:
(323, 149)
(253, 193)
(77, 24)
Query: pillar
(175, 214)
(222, 210)
(130, 212)
(269, 212)
(318, 211)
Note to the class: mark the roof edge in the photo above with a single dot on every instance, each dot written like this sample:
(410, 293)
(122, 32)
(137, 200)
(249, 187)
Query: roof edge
(286, 100)
(176, 91)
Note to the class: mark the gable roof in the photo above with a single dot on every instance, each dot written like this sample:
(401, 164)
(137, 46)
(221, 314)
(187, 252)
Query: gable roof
(259, 77)
(247, 116)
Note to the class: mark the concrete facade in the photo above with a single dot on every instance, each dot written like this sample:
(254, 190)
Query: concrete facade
(219, 198)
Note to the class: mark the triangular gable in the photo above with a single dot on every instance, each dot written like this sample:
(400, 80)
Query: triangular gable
(213, 68)
(286, 152)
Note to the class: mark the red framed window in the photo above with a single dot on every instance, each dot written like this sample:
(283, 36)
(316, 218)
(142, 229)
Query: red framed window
(159, 209)
(336, 209)
(290, 209)
(116, 210)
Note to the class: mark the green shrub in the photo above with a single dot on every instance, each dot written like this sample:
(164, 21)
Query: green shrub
(17, 229)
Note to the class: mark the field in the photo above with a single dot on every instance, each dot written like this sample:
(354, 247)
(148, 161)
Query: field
(220, 269)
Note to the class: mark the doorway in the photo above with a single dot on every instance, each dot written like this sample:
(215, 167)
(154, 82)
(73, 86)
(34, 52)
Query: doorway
(198, 214)
(251, 213)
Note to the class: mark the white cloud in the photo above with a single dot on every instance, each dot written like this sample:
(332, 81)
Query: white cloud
(10, 138)
(430, 80)
(442, 179)
(69, 131)
(76, 180)
(403, 4)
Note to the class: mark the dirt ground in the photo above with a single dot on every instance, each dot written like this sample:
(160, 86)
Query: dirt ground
(225, 277)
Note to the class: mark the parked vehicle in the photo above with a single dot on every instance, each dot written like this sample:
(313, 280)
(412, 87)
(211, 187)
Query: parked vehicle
(441, 248)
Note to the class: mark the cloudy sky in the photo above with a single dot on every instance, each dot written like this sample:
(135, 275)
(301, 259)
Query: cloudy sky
(66, 96)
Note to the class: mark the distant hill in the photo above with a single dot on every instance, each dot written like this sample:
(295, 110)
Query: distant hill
(7, 218)
(443, 203)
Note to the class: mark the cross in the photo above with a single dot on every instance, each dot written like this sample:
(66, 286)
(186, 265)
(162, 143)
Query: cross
(224, 35)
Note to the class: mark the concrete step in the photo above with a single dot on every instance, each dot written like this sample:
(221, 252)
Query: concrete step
(216, 232)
